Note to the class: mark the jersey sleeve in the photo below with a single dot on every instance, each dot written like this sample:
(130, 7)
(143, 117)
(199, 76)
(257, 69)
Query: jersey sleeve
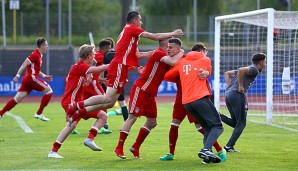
(207, 65)
(172, 74)
(136, 30)
(99, 60)
(33, 57)
(158, 54)
(84, 68)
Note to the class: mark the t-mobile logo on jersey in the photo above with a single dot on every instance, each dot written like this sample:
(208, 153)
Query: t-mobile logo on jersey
(186, 69)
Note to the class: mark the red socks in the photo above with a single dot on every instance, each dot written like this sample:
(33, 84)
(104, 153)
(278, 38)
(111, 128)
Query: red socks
(122, 138)
(92, 133)
(56, 146)
(44, 102)
(9, 105)
(80, 105)
(143, 133)
(79, 114)
(173, 136)
(202, 131)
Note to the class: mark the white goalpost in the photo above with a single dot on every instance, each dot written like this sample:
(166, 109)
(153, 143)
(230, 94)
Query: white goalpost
(273, 97)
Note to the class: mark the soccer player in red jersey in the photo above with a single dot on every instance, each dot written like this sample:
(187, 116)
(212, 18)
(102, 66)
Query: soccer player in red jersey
(126, 58)
(121, 99)
(179, 113)
(95, 88)
(31, 80)
(73, 93)
(142, 96)
(195, 97)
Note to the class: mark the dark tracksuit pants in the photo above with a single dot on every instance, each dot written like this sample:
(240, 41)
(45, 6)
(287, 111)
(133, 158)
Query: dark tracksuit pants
(237, 106)
(206, 114)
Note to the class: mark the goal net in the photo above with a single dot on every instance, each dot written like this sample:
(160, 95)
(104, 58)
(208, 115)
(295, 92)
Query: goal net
(273, 97)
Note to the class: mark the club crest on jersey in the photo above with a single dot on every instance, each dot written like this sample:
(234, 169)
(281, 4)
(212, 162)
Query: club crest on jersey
(137, 110)
(120, 84)
(186, 69)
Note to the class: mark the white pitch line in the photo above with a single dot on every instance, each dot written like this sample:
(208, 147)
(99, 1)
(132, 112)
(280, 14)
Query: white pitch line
(274, 125)
(21, 122)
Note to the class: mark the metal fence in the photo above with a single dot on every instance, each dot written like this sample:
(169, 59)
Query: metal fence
(101, 25)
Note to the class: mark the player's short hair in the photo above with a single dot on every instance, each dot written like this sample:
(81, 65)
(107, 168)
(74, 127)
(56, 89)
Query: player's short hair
(131, 16)
(199, 47)
(257, 57)
(111, 41)
(163, 42)
(176, 41)
(40, 41)
(104, 43)
(85, 50)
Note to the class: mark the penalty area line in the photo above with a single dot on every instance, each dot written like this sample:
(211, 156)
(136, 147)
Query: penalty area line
(20, 122)
(274, 125)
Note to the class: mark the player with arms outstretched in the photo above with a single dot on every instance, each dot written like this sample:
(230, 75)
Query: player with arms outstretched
(142, 96)
(126, 58)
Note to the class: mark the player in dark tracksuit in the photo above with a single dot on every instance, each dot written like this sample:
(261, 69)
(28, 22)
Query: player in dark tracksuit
(238, 82)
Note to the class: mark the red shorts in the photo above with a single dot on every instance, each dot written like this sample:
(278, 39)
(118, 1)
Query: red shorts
(86, 116)
(142, 103)
(94, 88)
(35, 83)
(179, 112)
(117, 75)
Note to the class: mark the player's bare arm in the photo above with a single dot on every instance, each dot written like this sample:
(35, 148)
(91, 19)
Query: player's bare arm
(162, 36)
(142, 55)
(45, 76)
(241, 73)
(21, 69)
(172, 60)
(103, 80)
(89, 79)
(228, 75)
(98, 69)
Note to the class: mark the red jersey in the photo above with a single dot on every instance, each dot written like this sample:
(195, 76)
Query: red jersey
(99, 57)
(127, 44)
(193, 88)
(74, 83)
(35, 60)
(153, 73)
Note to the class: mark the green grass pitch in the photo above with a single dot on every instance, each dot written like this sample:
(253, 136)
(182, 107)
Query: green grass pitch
(262, 147)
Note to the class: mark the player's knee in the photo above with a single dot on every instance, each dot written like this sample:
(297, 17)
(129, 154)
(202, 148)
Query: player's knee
(221, 129)
(242, 125)
(110, 104)
(47, 90)
(152, 124)
(102, 115)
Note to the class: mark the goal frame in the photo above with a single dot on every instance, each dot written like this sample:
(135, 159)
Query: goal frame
(269, 82)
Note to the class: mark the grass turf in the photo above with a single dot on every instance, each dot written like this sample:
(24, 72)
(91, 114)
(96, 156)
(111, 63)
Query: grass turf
(262, 147)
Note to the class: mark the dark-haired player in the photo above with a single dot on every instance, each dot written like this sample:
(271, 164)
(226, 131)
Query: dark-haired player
(238, 82)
